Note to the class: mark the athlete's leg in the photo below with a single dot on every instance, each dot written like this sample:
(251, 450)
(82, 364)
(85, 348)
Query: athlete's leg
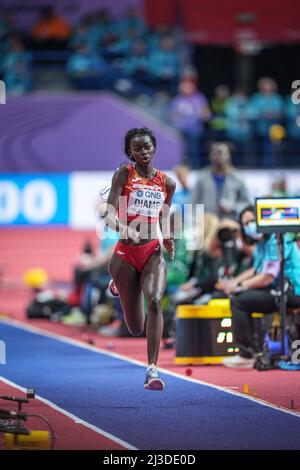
(127, 281)
(153, 283)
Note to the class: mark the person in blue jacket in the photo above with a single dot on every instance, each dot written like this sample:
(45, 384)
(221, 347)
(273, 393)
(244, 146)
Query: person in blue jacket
(253, 290)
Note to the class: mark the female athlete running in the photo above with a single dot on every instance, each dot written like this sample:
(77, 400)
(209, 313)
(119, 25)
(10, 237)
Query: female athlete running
(137, 265)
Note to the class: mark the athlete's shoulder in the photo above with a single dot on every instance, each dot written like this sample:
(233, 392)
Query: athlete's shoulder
(170, 184)
(170, 187)
(122, 172)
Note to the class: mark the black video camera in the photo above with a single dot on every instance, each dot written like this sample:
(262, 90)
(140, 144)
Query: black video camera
(226, 236)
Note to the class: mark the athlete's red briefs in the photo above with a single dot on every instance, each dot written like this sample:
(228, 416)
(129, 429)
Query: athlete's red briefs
(137, 255)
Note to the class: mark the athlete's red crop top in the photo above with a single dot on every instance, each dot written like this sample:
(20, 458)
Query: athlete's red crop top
(144, 197)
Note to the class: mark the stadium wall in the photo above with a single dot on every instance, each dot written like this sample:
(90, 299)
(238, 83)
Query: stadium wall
(75, 132)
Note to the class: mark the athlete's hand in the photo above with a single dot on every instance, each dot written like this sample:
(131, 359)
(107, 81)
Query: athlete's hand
(170, 247)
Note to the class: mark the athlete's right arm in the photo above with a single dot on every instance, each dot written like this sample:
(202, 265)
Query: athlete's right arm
(111, 215)
(113, 201)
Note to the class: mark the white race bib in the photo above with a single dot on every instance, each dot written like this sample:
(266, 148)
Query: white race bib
(146, 202)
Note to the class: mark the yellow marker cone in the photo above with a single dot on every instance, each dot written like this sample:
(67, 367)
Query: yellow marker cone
(246, 388)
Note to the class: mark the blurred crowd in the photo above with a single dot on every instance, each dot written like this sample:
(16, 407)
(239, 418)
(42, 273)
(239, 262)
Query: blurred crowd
(99, 51)
(259, 125)
(154, 68)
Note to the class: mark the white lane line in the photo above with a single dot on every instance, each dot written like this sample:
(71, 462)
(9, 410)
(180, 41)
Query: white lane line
(73, 417)
(74, 342)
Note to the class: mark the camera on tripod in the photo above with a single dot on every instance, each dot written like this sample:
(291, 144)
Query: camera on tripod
(280, 216)
(226, 237)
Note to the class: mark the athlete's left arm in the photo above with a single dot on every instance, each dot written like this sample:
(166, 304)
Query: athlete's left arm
(166, 220)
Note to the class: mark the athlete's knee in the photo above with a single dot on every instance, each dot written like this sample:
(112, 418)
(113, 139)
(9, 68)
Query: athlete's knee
(135, 327)
(135, 330)
(154, 303)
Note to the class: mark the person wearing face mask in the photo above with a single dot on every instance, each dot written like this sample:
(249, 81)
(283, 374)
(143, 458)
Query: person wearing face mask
(253, 290)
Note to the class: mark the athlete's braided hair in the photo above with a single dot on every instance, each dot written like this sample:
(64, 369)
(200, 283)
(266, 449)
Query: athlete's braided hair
(137, 132)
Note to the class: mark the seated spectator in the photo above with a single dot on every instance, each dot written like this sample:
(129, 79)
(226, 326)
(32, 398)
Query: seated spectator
(51, 31)
(87, 70)
(131, 20)
(253, 290)
(16, 68)
(123, 45)
(219, 186)
(164, 66)
(218, 123)
(104, 28)
(155, 35)
(136, 64)
(266, 108)
(238, 124)
(6, 26)
(86, 34)
(189, 110)
(221, 259)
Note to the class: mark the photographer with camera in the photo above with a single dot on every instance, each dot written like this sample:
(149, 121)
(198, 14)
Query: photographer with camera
(255, 289)
(221, 258)
(235, 255)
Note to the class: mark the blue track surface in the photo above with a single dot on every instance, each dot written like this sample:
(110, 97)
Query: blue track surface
(108, 393)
